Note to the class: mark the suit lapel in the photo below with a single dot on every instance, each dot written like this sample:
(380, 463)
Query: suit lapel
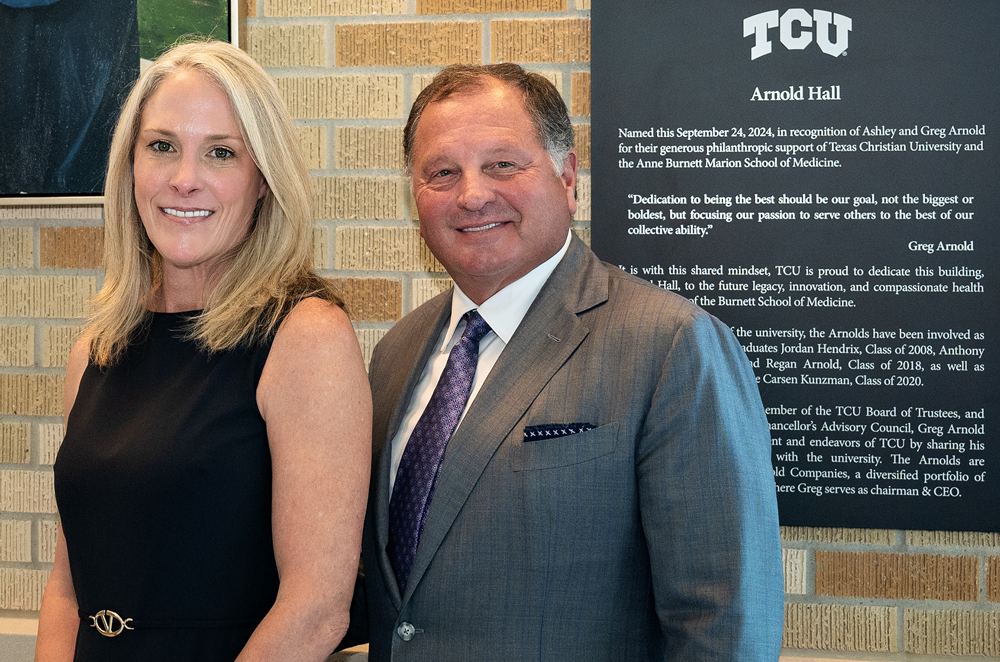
(549, 334)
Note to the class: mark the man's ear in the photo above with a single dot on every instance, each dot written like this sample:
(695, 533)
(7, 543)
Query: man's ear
(568, 176)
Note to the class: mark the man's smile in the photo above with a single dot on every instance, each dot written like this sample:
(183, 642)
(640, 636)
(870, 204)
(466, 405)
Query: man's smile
(481, 227)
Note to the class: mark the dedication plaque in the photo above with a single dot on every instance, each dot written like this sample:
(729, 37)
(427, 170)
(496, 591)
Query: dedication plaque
(823, 178)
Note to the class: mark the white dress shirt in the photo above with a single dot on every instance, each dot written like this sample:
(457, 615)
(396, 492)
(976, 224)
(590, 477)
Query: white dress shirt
(503, 312)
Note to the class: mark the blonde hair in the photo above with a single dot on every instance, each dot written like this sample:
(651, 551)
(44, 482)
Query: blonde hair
(268, 272)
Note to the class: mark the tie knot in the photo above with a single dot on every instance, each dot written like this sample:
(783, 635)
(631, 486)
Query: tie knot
(475, 326)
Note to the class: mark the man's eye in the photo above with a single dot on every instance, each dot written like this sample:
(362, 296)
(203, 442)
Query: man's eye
(505, 164)
(222, 153)
(442, 173)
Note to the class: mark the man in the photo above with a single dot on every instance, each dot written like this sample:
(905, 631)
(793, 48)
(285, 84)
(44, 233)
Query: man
(607, 494)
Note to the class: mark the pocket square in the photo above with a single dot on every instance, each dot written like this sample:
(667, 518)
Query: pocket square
(553, 430)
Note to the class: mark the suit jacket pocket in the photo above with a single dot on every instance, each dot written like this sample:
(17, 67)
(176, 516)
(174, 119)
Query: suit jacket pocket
(565, 451)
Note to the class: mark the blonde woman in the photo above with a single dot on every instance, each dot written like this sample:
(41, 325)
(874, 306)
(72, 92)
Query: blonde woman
(213, 478)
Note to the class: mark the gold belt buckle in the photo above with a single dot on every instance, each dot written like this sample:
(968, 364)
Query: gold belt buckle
(109, 623)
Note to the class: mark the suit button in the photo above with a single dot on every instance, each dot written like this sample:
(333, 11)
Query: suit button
(406, 631)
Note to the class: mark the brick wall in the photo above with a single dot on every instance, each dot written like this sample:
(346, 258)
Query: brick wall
(873, 590)
(49, 259)
(349, 70)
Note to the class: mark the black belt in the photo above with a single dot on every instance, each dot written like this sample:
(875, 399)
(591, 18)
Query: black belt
(111, 624)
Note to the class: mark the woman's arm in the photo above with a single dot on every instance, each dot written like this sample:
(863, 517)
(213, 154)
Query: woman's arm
(314, 396)
(59, 620)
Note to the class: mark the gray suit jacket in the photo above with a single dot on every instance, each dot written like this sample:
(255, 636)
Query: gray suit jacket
(652, 536)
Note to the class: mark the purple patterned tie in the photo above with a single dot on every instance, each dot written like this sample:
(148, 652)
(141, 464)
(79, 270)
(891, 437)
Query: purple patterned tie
(421, 461)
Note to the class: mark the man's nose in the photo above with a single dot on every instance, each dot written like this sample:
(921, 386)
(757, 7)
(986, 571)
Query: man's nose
(476, 191)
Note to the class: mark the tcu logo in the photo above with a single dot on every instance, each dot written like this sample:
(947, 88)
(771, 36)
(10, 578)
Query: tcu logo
(759, 24)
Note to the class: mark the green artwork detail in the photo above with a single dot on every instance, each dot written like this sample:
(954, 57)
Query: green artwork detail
(163, 22)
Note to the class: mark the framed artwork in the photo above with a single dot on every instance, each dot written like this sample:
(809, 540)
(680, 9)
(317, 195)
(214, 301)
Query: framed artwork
(68, 67)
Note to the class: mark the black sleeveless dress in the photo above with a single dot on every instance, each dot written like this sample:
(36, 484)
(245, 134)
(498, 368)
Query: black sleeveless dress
(164, 490)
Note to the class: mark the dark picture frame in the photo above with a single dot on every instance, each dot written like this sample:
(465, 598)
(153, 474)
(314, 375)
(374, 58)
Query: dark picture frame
(72, 63)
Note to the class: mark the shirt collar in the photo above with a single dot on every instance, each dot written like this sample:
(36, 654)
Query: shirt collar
(504, 310)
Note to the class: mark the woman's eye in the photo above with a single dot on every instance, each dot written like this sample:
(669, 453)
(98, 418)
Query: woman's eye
(222, 153)
(160, 146)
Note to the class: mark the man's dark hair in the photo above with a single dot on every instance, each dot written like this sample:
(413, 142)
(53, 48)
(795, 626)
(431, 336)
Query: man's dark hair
(541, 99)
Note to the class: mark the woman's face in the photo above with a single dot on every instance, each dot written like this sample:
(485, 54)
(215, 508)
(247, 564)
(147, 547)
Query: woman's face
(195, 184)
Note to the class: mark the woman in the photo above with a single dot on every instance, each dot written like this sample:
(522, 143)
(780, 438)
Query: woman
(213, 478)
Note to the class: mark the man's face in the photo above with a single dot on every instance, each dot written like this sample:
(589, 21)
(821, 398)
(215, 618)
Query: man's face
(492, 206)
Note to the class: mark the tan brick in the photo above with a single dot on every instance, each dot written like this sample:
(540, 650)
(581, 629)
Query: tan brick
(793, 561)
(953, 538)
(331, 97)
(952, 632)
(409, 44)
(321, 247)
(425, 289)
(26, 491)
(420, 81)
(15, 540)
(840, 627)
(47, 533)
(287, 45)
(16, 247)
(59, 340)
(580, 94)
(17, 345)
(15, 443)
(817, 534)
(369, 148)
(72, 248)
(312, 139)
(52, 213)
(359, 197)
(554, 77)
(50, 436)
(384, 249)
(581, 136)
(540, 40)
(371, 299)
(333, 7)
(21, 590)
(901, 576)
(247, 9)
(45, 296)
(368, 338)
(993, 579)
(583, 234)
(583, 212)
(488, 6)
(31, 395)
(583, 4)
